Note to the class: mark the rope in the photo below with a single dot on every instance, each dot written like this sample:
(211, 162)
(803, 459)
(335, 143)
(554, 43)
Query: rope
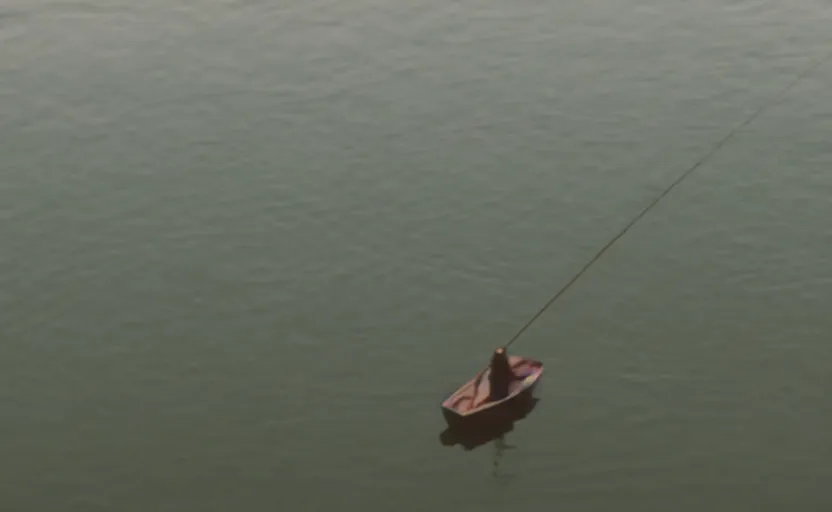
(773, 101)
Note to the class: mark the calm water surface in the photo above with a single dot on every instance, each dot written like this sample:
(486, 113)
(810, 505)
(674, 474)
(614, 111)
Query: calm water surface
(246, 247)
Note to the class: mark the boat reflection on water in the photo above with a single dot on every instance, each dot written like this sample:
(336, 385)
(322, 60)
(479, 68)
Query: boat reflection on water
(473, 435)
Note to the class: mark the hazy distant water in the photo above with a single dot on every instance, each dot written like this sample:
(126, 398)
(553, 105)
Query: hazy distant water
(247, 247)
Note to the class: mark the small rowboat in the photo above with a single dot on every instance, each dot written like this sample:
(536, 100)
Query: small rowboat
(470, 402)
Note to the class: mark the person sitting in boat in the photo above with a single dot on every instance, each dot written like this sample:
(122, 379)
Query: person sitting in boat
(500, 375)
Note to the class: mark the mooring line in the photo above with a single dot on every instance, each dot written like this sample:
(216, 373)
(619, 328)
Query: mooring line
(775, 99)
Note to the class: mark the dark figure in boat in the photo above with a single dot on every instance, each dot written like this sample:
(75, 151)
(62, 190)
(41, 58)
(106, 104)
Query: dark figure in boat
(500, 376)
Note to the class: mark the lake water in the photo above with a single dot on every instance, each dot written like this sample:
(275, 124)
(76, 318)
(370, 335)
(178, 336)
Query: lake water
(247, 247)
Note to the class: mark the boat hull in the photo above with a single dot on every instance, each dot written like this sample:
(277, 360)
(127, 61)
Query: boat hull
(469, 405)
(509, 411)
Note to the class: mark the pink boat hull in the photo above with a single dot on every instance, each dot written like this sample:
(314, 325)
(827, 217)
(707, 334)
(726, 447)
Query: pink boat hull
(470, 402)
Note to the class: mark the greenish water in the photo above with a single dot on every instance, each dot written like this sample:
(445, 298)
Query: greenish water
(247, 247)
